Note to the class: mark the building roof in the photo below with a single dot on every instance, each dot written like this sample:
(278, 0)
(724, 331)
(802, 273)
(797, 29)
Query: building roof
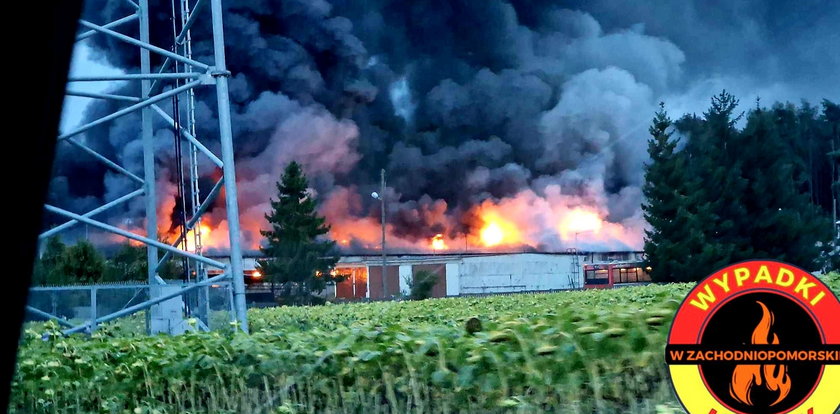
(402, 258)
(257, 255)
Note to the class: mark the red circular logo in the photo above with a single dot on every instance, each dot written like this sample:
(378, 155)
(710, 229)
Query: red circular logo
(757, 337)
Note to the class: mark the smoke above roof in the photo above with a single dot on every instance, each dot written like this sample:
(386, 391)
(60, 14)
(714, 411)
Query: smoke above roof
(521, 110)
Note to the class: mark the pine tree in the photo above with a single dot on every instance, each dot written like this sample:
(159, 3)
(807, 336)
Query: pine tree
(784, 224)
(718, 163)
(807, 136)
(298, 257)
(663, 177)
(831, 121)
(676, 245)
(760, 184)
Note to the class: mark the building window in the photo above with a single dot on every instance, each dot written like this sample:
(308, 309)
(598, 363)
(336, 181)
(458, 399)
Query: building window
(597, 277)
(630, 275)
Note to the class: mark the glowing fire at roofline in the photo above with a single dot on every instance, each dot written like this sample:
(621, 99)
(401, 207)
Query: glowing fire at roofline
(509, 224)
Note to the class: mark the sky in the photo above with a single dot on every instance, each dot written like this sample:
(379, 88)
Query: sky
(473, 107)
(82, 64)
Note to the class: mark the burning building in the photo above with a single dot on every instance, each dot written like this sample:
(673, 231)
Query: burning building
(473, 273)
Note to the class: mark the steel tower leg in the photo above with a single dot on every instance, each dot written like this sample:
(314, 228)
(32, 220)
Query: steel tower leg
(147, 136)
(226, 137)
(148, 145)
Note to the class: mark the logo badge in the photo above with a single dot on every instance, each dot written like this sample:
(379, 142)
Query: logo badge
(757, 337)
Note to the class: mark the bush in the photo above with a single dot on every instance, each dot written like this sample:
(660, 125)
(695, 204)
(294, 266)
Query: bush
(832, 280)
(299, 300)
(422, 284)
(82, 263)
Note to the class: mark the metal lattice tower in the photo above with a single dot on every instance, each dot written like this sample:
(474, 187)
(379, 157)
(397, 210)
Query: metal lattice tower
(176, 78)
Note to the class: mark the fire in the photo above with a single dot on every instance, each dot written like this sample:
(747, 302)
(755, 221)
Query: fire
(498, 227)
(492, 234)
(774, 378)
(438, 243)
(547, 220)
(203, 231)
(580, 220)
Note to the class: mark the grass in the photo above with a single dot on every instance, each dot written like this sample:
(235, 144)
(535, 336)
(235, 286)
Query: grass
(570, 352)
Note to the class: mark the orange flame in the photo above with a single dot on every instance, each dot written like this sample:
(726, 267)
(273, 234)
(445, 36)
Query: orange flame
(580, 220)
(203, 231)
(497, 228)
(548, 220)
(492, 234)
(438, 243)
(771, 376)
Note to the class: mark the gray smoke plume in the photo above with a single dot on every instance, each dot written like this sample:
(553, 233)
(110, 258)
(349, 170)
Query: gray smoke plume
(464, 102)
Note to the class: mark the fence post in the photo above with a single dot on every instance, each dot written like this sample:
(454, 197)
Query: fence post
(92, 308)
(232, 302)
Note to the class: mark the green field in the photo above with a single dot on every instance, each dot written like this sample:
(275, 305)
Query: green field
(576, 352)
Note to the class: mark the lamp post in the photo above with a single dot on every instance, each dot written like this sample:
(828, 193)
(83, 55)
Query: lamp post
(381, 197)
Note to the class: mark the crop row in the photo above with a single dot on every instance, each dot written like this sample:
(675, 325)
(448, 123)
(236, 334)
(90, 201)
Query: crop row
(588, 351)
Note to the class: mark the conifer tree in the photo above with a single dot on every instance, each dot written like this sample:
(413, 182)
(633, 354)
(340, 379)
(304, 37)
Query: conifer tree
(661, 190)
(831, 121)
(718, 154)
(676, 245)
(759, 187)
(298, 258)
(784, 224)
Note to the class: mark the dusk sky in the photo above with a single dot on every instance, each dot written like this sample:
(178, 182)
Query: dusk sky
(467, 104)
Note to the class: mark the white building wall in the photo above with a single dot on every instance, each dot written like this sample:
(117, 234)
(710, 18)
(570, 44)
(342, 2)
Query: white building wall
(453, 279)
(367, 282)
(516, 273)
(248, 263)
(405, 277)
(490, 273)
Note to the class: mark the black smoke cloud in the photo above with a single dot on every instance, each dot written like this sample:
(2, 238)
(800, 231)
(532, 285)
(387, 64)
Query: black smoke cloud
(462, 101)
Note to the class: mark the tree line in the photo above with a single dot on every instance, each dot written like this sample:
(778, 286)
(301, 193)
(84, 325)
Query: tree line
(83, 263)
(717, 193)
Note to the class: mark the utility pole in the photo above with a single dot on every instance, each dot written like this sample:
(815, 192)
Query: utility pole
(382, 199)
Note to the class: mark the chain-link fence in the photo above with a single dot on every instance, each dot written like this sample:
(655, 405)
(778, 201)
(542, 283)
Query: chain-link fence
(80, 305)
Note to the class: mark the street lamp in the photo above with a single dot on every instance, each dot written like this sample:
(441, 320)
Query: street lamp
(381, 197)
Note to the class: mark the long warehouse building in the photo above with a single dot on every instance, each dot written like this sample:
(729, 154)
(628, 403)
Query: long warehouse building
(467, 274)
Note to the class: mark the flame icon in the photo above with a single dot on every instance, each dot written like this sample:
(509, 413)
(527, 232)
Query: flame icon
(770, 376)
